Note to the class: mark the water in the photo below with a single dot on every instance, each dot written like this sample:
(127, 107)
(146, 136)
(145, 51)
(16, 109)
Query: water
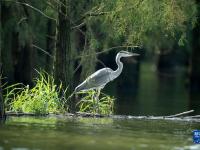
(151, 93)
(72, 133)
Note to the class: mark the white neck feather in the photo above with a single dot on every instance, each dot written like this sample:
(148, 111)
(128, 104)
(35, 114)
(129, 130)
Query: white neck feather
(117, 72)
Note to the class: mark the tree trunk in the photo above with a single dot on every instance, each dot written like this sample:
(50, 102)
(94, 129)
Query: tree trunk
(7, 29)
(50, 46)
(2, 111)
(63, 59)
(24, 67)
(27, 63)
(194, 68)
(17, 57)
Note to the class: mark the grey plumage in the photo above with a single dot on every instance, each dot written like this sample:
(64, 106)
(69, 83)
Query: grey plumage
(101, 77)
(97, 80)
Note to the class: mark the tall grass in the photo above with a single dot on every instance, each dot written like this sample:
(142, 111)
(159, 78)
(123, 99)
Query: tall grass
(43, 98)
(89, 103)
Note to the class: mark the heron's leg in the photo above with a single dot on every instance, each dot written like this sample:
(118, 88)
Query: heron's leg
(97, 99)
(94, 101)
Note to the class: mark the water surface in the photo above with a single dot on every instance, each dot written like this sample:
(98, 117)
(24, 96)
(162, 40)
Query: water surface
(148, 92)
(63, 133)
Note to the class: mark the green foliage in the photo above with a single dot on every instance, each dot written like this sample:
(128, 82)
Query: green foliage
(90, 104)
(43, 98)
(152, 23)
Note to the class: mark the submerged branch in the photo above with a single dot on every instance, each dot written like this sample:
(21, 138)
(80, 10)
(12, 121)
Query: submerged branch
(177, 117)
(179, 114)
(196, 116)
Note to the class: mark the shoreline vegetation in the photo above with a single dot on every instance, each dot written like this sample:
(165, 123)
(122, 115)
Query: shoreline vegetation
(46, 97)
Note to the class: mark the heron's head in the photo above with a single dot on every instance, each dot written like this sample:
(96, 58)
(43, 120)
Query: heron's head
(127, 54)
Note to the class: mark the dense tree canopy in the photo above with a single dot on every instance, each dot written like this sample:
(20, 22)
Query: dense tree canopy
(145, 22)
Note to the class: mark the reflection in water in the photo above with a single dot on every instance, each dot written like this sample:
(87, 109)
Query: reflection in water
(148, 93)
(194, 102)
(127, 89)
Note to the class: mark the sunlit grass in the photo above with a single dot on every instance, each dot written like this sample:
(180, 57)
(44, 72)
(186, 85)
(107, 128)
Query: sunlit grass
(89, 104)
(43, 98)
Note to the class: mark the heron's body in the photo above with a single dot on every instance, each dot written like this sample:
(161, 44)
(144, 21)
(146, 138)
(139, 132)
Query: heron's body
(97, 80)
(101, 77)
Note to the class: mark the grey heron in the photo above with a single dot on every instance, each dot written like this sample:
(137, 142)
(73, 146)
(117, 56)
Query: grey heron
(100, 78)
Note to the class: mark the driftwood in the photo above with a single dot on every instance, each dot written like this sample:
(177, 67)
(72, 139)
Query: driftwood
(180, 116)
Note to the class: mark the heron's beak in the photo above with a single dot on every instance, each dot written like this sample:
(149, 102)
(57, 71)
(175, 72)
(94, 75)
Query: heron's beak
(134, 54)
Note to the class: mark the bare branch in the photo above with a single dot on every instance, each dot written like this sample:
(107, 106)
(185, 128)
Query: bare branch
(41, 49)
(98, 60)
(60, 3)
(107, 50)
(79, 26)
(21, 20)
(91, 14)
(36, 9)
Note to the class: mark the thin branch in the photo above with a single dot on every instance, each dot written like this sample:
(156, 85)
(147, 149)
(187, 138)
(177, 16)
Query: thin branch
(179, 114)
(88, 15)
(34, 8)
(98, 53)
(60, 3)
(96, 13)
(41, 49)
(101, 62)
(79, 26)
(95, 10)
(45, 15)
(80, 63)
(107, 50)
(51, 37)
(76, 69)
(21, 20)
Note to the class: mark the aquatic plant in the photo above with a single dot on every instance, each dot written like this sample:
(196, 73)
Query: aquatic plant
(89, 103)
(43, 98)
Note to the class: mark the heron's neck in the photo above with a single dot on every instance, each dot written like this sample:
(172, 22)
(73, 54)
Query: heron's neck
(120, 66)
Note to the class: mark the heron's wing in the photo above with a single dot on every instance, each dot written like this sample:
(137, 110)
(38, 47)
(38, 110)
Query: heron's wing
(100, 77)
(97, 80)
